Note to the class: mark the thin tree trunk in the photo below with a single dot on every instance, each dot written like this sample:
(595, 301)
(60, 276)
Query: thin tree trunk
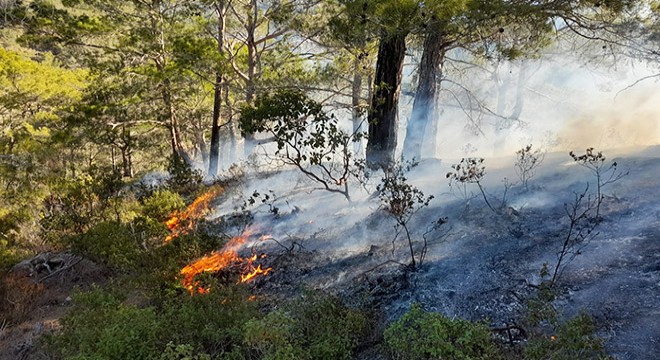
(250, 92)
(126, 161)
(424, 110)
(520, 92)
(215, 127)
(383, 120)
(355, 105)
(221, 11)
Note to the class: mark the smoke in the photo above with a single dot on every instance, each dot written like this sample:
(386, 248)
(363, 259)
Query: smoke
(565, 104)
(631, 119)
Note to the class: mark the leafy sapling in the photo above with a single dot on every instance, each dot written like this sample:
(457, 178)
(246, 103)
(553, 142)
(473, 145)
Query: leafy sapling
(605, 175)
(527, 162)
(583, 213)
(469, 171)
(307, 138)
(402, 200)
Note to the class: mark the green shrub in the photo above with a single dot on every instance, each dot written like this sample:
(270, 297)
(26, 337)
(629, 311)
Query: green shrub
(315, 327)
(427, 335)
(183, 178)
(212, 322)
(182, 352)
(574, 339)
(101, 327)
(161, 204)
(110, 243)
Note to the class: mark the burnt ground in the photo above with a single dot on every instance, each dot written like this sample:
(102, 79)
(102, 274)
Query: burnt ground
(479, 265)
(485, 265)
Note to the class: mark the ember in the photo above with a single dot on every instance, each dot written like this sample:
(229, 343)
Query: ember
(180, 223)
(222, 259)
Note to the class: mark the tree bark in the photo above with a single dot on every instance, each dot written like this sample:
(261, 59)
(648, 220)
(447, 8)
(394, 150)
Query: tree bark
(425, 111)
(355, 105)
(250, 88)
(217, 95)
(383, 120)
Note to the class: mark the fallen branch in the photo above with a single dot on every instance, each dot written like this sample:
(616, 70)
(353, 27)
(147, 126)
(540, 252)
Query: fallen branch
(66, 267)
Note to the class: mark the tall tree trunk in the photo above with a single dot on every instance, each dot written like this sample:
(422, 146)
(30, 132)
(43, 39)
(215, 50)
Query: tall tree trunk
(520, 92)
(126, 159)
(173, 123)
(383, 119)
(355, 105)
(425, 110)
(250, 89)
(215, 127)
(217, 94)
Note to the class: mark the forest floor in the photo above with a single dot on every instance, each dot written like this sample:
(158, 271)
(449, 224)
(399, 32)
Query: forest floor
(38, 294)
(480, 265)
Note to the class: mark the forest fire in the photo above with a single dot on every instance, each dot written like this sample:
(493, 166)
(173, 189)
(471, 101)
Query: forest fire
(222, 259)
(181, 222)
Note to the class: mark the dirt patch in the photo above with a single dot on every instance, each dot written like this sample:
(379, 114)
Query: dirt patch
(35, 295)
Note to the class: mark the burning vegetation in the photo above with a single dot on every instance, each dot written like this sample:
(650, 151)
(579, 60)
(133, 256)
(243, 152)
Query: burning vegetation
(225, 258)
(181, 222)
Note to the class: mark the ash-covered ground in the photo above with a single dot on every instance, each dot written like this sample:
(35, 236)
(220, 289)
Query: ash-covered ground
(480, 264)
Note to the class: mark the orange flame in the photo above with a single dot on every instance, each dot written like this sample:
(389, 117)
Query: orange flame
(180, 223)
(219, 260)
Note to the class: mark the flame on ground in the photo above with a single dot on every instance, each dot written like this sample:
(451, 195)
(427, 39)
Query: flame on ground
(181, 222)
(218, 260)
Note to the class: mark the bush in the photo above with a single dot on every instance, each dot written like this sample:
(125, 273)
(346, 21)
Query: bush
(213, 322)
(574, 339)
(161, 204)
(101, 327)
(315, 327)
(183, 178)
(427, 335)
(110, 243)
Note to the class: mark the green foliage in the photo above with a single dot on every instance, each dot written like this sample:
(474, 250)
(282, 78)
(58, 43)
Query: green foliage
(574, 339)
(306, 137)
(35, 95)
(161, 204)
(101, 327)
(314, 328)
(422, 335)
(402, 200)
(213, 322)
(183, 178)
(110, 243)
(182, 352)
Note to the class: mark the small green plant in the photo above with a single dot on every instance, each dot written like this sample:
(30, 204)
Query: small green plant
(573, 339)
(101, 327)
(402, 200)
(421, 335)
(469, 171)
(527, 162)
(161, 204)
(605, 175)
